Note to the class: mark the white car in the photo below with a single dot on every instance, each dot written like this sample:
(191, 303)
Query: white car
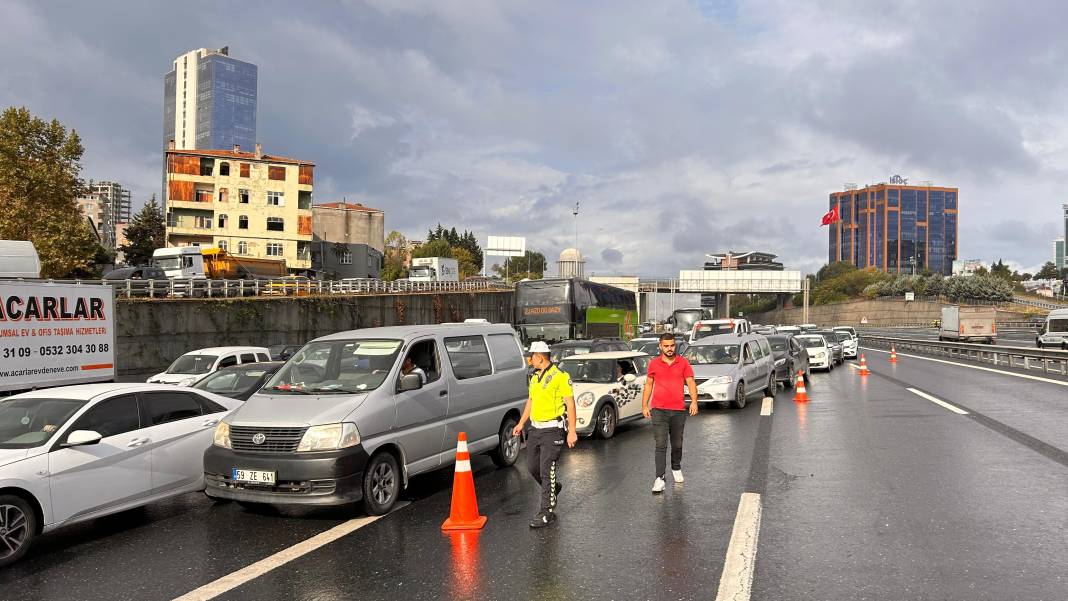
(850, 344)
(75, 453)
(819, 354)
(608, 389)
(194, 365)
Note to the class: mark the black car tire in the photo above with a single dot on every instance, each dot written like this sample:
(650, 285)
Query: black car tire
(739, 396)
(771, 389)
(19, 523)
(790, 375)
(381, 484)
(606, 421)
(507, 451)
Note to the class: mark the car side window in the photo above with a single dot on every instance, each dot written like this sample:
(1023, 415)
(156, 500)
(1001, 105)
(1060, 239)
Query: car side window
(749, 352)
(262, 357)
(504, 348)
(208, 406)
(111, 417)
(166, 407)
(765, 347)
(468, 356)
(424, 354)
(228, 361)
(248, 358)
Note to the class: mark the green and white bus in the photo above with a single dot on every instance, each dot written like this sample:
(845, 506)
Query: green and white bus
(573, 308)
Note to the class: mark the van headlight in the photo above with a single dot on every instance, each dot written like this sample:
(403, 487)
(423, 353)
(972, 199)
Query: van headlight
(329, 437)
(222, 436)
(585, 399)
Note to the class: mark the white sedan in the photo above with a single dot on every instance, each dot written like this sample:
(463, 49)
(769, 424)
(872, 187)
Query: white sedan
(608, 389)
(75, 453)
(819, 354)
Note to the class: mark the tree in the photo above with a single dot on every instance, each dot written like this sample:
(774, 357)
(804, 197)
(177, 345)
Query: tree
(1048, 272)
(1001, 270)
(833, 270)
(436, 248)
(39, 167)
(393, 262)
(465, 263)
(147, 232)
(531, 265)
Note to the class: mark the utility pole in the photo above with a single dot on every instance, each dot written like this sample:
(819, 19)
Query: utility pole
(575, 213)
(804, 305)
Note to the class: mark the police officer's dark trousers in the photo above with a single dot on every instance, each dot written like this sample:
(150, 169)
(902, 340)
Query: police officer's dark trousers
(543, 451)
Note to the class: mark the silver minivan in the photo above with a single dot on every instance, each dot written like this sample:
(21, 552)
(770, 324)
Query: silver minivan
(730, 367)
(340, 422)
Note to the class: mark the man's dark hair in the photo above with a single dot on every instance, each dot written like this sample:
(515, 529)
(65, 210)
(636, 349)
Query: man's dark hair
(667, 336)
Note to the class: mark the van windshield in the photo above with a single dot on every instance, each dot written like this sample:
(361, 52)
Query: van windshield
(337, 366)
(711, 329)
(168, 262)
(192, 364)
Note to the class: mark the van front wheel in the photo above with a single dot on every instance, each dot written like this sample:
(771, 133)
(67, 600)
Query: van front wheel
(381, 484)
(507, 451)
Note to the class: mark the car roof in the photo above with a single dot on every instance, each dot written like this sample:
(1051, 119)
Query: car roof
(218, 350)
(88, 392)
(811, 336)
(404, 332)
(606, 355)
(267, 365)
(725, 339)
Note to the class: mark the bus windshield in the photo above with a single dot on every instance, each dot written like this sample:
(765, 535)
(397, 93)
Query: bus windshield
(686, 318)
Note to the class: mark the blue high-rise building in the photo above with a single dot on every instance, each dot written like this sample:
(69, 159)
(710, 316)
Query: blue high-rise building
(209, 102)
(895, 227)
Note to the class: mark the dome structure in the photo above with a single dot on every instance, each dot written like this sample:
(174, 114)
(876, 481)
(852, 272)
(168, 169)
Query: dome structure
(571, 264)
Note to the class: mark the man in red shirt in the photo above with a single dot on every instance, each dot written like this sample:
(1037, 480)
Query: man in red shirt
(670, 376)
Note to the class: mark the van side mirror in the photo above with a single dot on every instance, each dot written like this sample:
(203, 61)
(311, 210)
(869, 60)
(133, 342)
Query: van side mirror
(410, 382)
(81, 438)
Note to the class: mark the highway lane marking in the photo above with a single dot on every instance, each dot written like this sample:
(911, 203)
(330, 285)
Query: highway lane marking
(736, 581)
(767, 406)
(251, 572)
(937, 401)
(979, 367)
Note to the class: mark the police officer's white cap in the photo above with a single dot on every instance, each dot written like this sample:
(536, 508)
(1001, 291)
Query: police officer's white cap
(539, 346)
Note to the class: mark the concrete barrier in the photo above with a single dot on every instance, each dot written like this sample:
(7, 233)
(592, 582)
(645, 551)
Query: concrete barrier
(152, 333)
(878, 312)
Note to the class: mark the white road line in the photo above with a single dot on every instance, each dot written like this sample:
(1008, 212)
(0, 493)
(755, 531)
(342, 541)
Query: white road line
(736, 582)
(979, 367)
(952, 408)
(767, 406)
(261, 567)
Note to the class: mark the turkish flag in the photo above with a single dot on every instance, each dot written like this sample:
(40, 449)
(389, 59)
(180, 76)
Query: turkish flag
(831, 217)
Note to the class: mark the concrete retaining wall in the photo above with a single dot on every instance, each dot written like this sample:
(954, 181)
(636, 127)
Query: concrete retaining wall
(880, 312)
(152, 333)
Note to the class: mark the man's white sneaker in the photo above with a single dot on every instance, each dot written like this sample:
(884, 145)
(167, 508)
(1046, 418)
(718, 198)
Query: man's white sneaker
(677, 474)
(659, 485)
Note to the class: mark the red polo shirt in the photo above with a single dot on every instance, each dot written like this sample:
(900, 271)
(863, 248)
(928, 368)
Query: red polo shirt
(669, 383)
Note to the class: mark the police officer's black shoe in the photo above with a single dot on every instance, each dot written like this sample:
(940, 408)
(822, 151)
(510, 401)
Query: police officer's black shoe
(543, 519)
(559, 487)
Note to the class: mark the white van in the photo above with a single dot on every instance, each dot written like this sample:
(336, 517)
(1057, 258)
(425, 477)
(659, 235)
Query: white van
(1054, 332)
(18, 259)
(711, 327)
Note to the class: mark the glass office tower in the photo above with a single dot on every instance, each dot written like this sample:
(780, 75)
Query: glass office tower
(896, 228)
(209, 102)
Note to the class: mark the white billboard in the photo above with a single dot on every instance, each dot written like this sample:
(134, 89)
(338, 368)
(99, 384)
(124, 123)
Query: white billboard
(695, 280)
(55, 334)
(505, 246)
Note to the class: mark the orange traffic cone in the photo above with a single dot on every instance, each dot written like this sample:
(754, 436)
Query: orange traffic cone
(464, 513)
(893, 354)
(864, 366)
(801, 395)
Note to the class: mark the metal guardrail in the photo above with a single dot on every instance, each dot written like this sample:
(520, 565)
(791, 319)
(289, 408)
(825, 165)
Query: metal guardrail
(203, 288)
(1040, 304)
(1049, 361)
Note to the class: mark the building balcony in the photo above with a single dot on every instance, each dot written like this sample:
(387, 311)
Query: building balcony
(191, 204)
(188, 228)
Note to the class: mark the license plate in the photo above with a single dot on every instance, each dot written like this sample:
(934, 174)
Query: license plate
(253, 476)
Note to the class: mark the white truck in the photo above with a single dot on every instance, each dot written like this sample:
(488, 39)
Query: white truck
(18, 259)
(969, 324)
(434, 269)
(54, 334)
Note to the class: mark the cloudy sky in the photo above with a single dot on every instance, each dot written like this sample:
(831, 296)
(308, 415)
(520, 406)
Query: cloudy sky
(680, 126)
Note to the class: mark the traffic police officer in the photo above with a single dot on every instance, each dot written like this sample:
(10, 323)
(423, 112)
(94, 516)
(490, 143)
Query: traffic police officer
(549, 402)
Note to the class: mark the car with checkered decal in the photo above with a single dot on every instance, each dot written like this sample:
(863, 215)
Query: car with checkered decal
(608, 389)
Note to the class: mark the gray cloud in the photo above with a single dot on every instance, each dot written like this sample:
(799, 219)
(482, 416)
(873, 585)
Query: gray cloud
(681, 127)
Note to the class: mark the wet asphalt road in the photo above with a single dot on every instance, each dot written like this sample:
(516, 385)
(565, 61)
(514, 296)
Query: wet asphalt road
(869, 492)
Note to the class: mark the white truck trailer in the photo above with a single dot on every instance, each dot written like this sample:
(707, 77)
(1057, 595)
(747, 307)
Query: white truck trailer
(434, 269)
(969, 324)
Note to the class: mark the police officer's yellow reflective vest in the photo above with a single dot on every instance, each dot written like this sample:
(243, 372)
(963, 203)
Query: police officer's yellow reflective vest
(547, 394)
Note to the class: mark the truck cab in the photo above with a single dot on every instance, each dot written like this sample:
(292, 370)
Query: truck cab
(182, 262)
